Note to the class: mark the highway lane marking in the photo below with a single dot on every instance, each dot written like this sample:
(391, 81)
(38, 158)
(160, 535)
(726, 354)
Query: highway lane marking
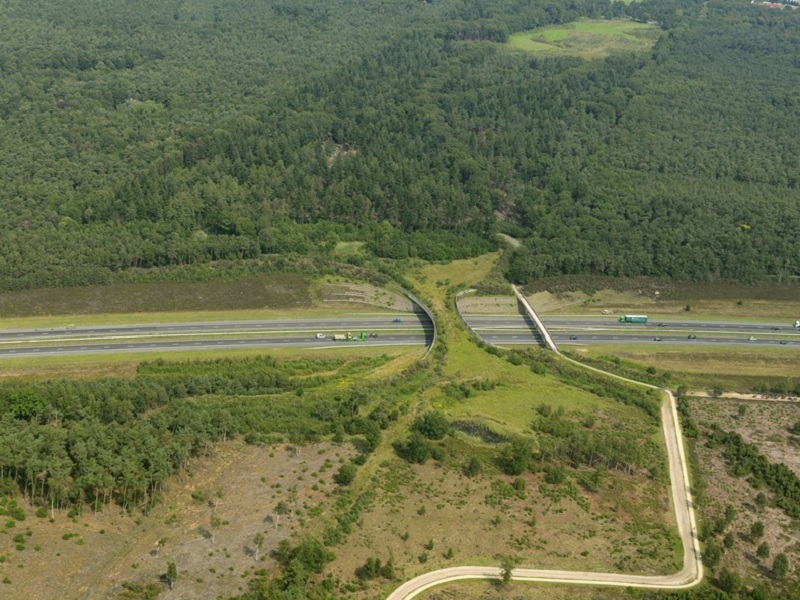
(189, 334)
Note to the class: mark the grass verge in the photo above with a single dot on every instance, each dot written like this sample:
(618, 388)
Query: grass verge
(93, 366)
(705, 367)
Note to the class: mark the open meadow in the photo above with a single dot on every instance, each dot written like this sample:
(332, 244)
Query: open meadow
(587, 38)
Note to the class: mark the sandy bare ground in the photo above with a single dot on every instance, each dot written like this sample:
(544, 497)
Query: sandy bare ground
(244, 482)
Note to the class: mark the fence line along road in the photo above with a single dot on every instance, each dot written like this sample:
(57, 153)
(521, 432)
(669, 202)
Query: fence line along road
(691, 572)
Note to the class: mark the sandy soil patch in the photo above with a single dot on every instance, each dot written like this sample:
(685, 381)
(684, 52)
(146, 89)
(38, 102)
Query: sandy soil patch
(208, 536)
(421, 512)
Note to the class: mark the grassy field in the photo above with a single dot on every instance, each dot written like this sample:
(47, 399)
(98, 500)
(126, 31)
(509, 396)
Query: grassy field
(705, 367)
(349, 249)
(124, 364)
(587, 38)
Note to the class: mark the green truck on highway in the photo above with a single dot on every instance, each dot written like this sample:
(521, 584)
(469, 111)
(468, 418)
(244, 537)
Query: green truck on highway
(633, 319)
(349, 337)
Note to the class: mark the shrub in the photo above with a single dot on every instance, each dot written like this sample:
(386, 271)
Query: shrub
(416, 449)
(729, 581)
(473, 467)
(763, 550)
(516, 457)
(433, 425)
(554, 475)
(373, 569)
(345, 475)
(756, 530)
(780, 566)
(712, 553)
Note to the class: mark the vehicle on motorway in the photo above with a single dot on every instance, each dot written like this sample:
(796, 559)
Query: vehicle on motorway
(775, 328)
(633, 319)
(656, 339)
(784, 342)
(573, 337)
(752, 338)
(797, 324)
(397, 321)
(373, 335)
(320, 336)
(349, 337)
(692, 336)
(662, 324)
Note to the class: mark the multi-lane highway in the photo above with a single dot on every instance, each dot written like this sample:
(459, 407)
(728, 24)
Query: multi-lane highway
(519, 329)
(389, 330)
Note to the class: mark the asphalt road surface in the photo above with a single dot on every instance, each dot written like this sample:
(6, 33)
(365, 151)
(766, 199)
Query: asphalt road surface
(386, 323)
(411, 329)
(409, 339)
(519, 329)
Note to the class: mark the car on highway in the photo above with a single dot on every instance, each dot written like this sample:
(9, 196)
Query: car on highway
(662, 324)
(320, 336)
(373, 335)
(752, 338)
(784, 342)
(692, 336)
(397, 321)
(656, 339)
(776, 329)
(573, 337)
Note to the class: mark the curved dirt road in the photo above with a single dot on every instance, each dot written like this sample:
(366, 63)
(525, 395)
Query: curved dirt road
(690, 574)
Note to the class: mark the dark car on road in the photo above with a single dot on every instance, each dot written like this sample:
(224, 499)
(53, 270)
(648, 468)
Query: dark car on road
(397, 321)
(692, 336)
(662, 324)
(656, 339)
(573, 337)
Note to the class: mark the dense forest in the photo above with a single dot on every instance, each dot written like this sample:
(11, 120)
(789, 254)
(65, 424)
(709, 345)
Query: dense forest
(146, 134)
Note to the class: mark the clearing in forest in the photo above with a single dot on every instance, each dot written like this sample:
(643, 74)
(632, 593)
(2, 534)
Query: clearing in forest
(587, 38)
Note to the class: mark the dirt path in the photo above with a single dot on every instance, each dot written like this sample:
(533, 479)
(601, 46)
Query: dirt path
(747, 397)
